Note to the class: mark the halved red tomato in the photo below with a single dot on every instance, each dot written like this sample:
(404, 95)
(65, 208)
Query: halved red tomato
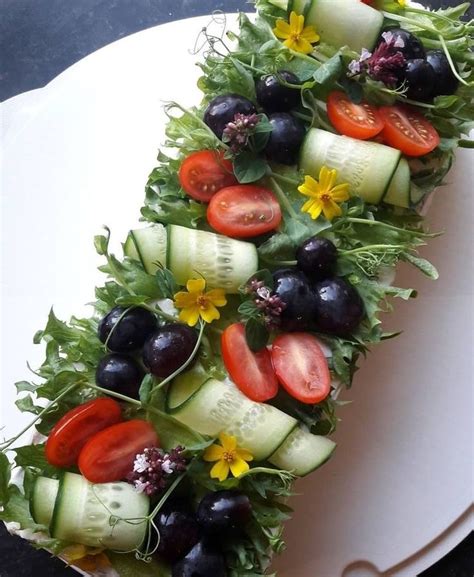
(252, 372)
(205, 172)
(109, 455)
(244, 210)
(301, 367)
(76, 427)
(360, 121)
(408, 130)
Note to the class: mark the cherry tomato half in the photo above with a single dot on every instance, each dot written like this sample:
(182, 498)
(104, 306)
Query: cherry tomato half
(109, 455)
(408, 130)
(301, 367)
(244, 211)
(360, 121)
(76, 427)
(205, 172)
(252, 372)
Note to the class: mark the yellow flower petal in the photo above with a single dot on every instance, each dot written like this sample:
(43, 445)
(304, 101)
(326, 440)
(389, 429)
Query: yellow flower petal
(229, 442)
(331, 210)
(209, 312)
(327, 178)
(310, 34)
(217, 297)
(299, 44)
(282, 29)
(184, 299)
(244, 454)
(190, 316)
(213, 453)
(238, 466)
(310, 187)
(196, 285)
(220, 470)
(340, 193)
(296, 23)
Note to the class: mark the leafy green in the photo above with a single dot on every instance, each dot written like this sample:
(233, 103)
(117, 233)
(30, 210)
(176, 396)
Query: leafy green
(127, 565)
(5, 475)
(17, 509)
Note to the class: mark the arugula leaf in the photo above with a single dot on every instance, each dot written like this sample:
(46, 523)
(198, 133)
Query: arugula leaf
(17, 509)
(5, 475)
(34, 456)
(256, 334)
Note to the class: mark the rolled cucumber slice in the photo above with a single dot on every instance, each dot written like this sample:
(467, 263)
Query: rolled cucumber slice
(223, 262)
(367, 166)
(398, 192)
(42, 500)
(219, 406)
(148, 245)
(83, 513)
(345, 23)
(303, 452)
(300, 6)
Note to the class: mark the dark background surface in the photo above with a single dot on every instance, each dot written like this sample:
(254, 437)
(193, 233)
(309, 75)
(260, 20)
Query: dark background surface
(38, 40)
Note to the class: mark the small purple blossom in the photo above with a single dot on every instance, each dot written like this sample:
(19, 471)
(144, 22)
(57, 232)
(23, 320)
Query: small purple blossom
(385, 64)
(153, 469)
(237, 132)
(269, 304)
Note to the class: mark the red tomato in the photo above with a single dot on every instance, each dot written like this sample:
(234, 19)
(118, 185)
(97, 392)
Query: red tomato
(301, 367)
(360, 121)
(252, 372)
(244, 211)
(408, 130)
(203, 173)
(73, 430)
(109, 455)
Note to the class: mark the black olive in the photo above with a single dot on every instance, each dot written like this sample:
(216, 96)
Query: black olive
(285, 139)
(126, 330)
(204, 560)
(224, 513)
(339, 307)
(294, 290)
(119, 373)
(445, 81)
(168, 348)
(273, 96)
(222, 109)
(420, 80)
(317, 257)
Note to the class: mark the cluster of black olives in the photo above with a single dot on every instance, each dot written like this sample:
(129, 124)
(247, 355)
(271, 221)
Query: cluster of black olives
(427, 74)
(192, 541)
(132, 335)
(276, 100)
(314, 297)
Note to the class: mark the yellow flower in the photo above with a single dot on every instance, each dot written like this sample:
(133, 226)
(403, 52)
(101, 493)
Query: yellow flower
(402, 3)
(229, 457)
(86, 558)
(196, 303)
(324, 196)
(297, 36)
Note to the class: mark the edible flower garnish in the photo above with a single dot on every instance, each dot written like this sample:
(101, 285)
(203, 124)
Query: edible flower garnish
(88, 559)
(237, 132)
(269, 304)
(402, 3)
(229, 457)
(295, 34)
(196, 303)
(324, 196)
(153, 469)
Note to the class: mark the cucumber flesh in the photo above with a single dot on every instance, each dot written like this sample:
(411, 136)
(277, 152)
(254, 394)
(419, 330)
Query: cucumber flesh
(345, 23)
(83, 512)
(398, 192)
(300, 6)
(416, 194)
(219, 406)
(185, 385)
(42, 500)
(149, 246)
(222, 261)
(367, 166)
(303, 452)
(283, 4)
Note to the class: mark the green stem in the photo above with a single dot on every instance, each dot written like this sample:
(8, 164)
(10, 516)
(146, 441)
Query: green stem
(38, 416)
(165, 497)
(414, 10)
(411, 21)
(383, 225)
(283, 199)
(465, 143)
(285, 179)
(272, 262)
(370, 247)
(450, 60)
(160, 313)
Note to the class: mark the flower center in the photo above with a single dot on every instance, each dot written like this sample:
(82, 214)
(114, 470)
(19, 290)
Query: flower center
(201, 301)
(325, 197)
(229, 456)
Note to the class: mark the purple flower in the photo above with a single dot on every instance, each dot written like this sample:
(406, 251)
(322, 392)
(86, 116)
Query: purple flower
(153, 469)
(387, 62)
(237, 132)
(270, 305)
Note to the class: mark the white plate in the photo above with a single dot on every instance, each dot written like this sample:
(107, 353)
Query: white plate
(397, 492)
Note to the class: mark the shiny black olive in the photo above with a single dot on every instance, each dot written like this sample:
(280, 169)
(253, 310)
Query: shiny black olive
(285, 138)
(406, 43)
(339, 307)
(273, 96)
(126, 330)
(222, 110)
(178, 528)
(168, 348)
(119, 373)
(420, 79)
(445, 81)
(295, 291)
(224, 513)
(317, 257)
(204, 560)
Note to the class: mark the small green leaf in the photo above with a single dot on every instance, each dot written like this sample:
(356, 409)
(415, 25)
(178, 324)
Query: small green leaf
(23, 386)
(423, 265)
(256, 334)
(248, 309)
(132, 300)
(329, 71)
(145, 388)
(101, 244)
(26, 405)
(17, 510)
(166, 283)
(5, 474)
(249, 168)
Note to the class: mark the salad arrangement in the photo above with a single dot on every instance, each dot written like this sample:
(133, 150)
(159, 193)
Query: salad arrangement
(170, 425)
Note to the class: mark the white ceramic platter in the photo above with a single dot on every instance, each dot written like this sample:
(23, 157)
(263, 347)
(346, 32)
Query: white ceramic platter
(76, 154)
